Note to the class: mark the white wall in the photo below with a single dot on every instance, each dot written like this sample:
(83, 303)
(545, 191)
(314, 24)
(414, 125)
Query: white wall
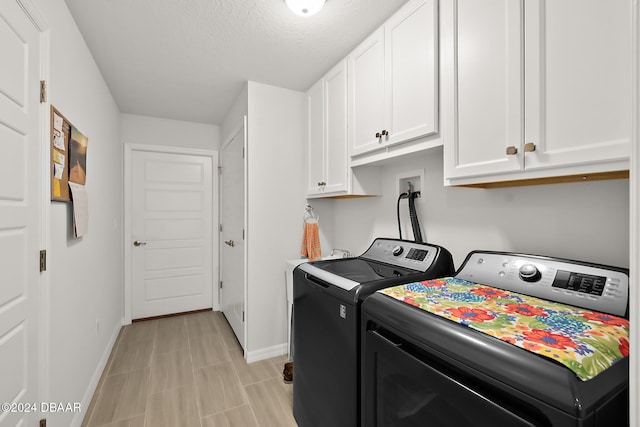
(584, 221)
(276, 203)
(276, 144)
(84, 277)
(324, 208)
(136, 129)
(236, 114)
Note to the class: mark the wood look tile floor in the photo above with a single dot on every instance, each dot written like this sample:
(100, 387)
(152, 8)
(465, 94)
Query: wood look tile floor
(188, 371)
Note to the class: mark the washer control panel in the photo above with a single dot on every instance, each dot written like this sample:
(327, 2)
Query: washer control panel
(585, 283)
(402, 253)
(595, 287)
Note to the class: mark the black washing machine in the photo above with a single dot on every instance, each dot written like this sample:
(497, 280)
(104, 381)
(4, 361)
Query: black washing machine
(327, 296)
(510, 340)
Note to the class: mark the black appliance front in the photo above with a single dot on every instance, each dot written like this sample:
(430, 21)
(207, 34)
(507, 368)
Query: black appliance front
(326, 330)
(420, 369)
(407, 391)
(325, 361)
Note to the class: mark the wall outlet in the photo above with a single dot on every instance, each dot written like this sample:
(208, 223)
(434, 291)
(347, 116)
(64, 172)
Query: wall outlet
(411, 179)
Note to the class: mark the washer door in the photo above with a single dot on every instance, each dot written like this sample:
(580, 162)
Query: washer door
(404, 391)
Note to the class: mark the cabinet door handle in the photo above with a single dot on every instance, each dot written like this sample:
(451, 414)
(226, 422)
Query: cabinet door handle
(512, 150)
(529, 147)
(380, 134)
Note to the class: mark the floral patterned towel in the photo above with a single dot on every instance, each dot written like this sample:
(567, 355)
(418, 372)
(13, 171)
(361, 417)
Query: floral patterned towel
(587, 342)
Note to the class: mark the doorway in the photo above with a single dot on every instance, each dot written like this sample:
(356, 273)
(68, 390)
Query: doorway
(232, 232)
(169, 239)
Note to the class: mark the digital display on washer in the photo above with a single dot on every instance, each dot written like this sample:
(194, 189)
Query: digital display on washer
(417, 254)
(584, 283)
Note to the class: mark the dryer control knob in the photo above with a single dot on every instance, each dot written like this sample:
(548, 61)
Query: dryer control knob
(397, 250)
(529, 273)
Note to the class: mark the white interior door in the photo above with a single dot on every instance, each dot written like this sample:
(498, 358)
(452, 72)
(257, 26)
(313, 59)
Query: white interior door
(232, 246)
(171, 233)
(19, 214)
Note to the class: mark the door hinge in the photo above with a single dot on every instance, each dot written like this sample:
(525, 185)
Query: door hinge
(43, 91)
(220, 227)
(243, 152)
(243, 234)
(43, 261)
(243, 315)
(220, 284)
(219, 170)
(43, 422)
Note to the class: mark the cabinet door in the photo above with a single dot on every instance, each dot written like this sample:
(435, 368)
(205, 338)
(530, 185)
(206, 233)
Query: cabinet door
(412, 72)
(578, 81)
(483, 72)
(366, 84)
(336, 156)
(315, 154)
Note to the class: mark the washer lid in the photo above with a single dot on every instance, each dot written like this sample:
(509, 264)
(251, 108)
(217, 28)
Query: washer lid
(347, 273)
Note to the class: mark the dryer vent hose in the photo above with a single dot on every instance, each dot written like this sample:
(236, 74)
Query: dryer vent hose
(415, 224)
(402, 196)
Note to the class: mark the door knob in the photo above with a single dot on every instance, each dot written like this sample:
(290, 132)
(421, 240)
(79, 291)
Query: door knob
(230, 243)
(139, 243)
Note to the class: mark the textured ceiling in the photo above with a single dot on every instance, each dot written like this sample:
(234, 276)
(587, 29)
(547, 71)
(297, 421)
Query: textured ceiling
(188, 59)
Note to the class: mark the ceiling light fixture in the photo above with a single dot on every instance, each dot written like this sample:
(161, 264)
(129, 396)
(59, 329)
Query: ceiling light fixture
(305, 7)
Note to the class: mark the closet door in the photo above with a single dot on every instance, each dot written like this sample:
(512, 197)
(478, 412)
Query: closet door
(232, 244)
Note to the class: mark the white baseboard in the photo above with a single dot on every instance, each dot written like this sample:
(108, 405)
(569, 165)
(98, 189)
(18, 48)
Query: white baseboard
(95, 379)
(266, 353)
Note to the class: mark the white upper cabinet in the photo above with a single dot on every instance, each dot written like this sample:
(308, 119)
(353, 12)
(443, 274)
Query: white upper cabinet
(411, 76)
(328, 157)
(316, 137)
(535, 89)
(578, 82)
(367, 97)
(336, 155)
(393, 80)
(483, 77)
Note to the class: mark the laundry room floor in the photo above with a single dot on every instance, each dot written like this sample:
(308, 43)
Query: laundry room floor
(188, 371)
